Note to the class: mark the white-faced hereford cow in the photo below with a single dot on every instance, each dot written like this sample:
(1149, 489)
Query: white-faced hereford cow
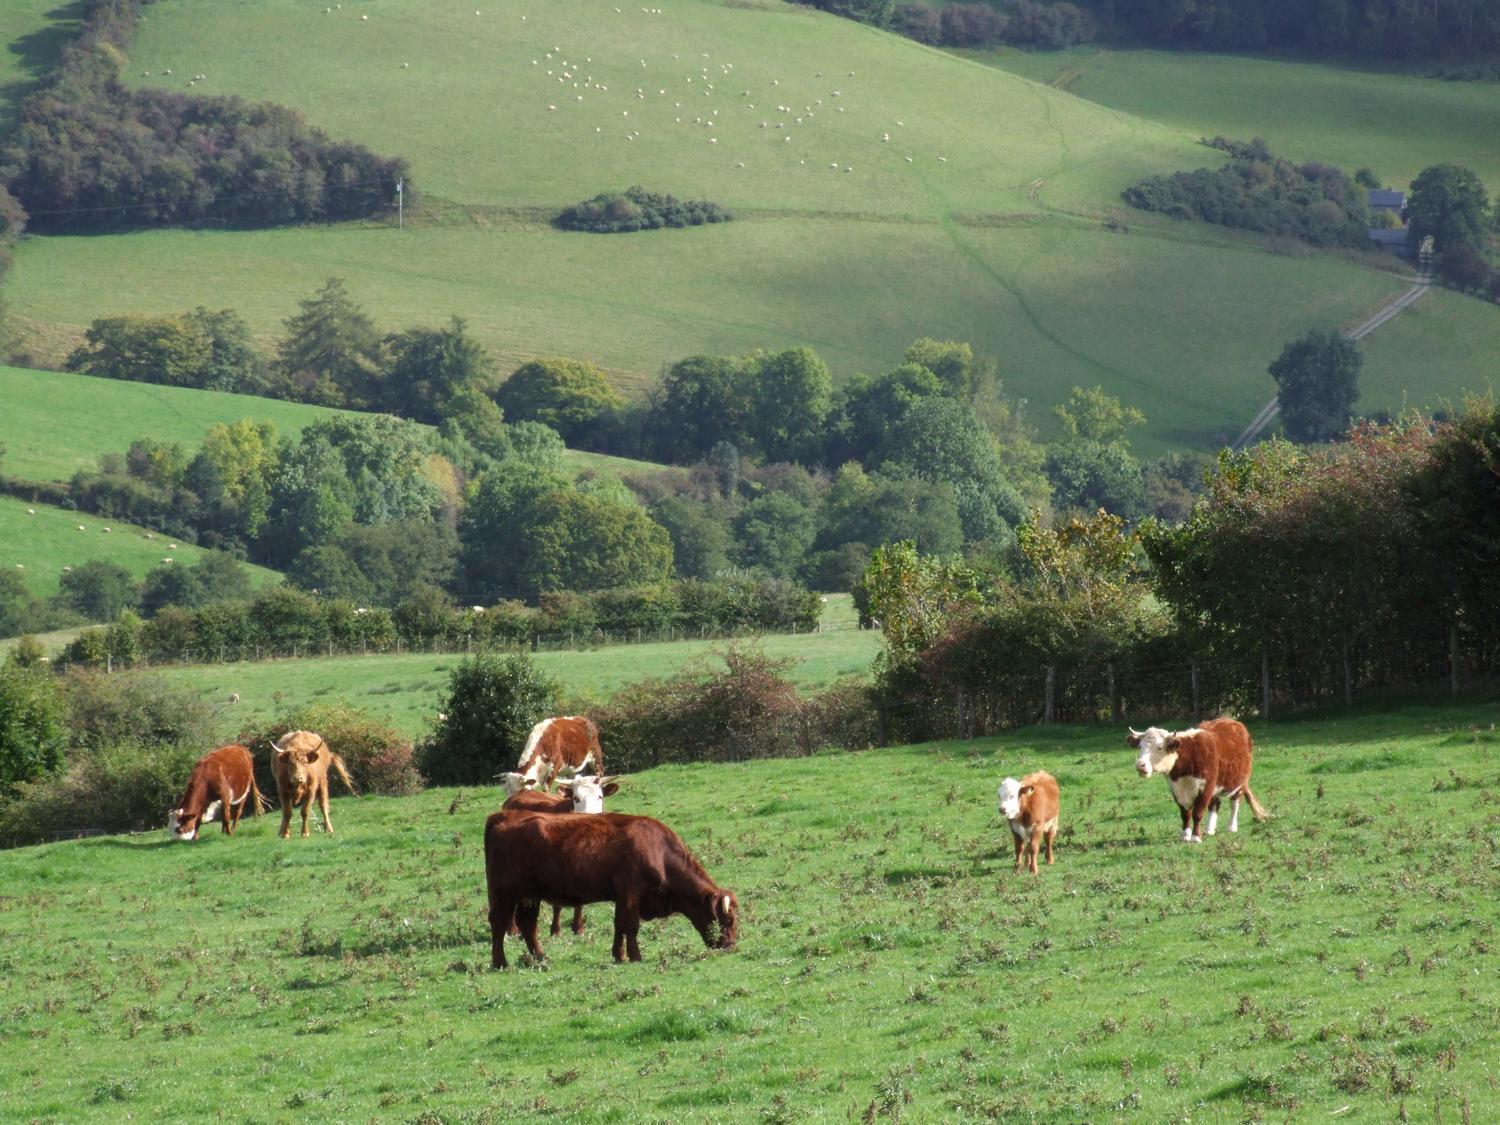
(578, 795)
(222, 779)
(300, 761)
(637, 863)
(1030, 805)
(1202, 764)
(557, 746)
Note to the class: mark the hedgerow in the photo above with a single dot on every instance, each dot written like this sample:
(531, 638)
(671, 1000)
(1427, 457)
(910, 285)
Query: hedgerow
(636, 208)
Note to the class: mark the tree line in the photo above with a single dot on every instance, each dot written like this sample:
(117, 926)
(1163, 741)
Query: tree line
(1020, 23)
(88, 152)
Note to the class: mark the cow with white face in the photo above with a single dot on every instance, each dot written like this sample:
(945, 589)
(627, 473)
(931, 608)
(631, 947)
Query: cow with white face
(1202, 765)
(1031, 807)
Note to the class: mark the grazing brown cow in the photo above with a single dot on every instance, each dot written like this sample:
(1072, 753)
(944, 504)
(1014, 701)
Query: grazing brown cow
(579, 795)
(221, 779)
(637, 863)
(1031, 807)
(300, 763)
(564, 744)
(1203, 764)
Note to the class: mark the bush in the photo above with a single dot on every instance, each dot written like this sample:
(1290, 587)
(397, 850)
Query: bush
(115, 788)
(32, 734)
(379, 758)
(638, 209)
(136, 708)
(491, 705)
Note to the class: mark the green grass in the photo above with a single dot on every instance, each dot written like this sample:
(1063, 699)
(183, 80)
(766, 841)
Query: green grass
(35, 32)
(54, 424)
(1001, 243)
(1392, 122)
(1338, 959)
(406, 690)
(49, 540)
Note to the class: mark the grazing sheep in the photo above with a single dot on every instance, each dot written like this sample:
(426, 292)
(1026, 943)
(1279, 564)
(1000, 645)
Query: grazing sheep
(234, 697)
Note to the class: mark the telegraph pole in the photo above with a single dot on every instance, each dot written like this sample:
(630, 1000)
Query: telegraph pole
(401, 204)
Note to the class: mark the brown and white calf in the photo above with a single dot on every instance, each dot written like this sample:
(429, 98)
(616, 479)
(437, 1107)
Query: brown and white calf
(1030, 805)
(1202, 764)
(561, 745)
(578, 795)
(300, 762)
(637, 863)
(222, 779)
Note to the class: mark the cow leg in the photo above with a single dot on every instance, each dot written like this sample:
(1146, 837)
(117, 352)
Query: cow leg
(502, 911)
(1213, 816)
(1019, 845)
(1051, 836)
(511, 928)
(578, 919)
(1200, 806)
(556, 920)
(306, 810)
(1234, 813)
(1187, 833)
(527, 913)
(226, 822)
(286, 818)
(627, 925)
(1032, 846)
(323, 804)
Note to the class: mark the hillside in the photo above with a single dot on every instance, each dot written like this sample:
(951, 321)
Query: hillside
(991, 232)
(50, 539)
(1336, 960)
(56, 423)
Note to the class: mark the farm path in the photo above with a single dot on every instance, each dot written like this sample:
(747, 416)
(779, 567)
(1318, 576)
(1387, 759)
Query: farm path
(1389, 311)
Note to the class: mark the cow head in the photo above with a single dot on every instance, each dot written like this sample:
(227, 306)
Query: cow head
(1011, 792)
(588, 793)
(182, 826)
(1158, 749)
(295, 752)
(724, 915)
(516, 782)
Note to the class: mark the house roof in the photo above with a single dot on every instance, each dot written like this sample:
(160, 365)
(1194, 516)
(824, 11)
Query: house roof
(1387, 197)
(1393, 238)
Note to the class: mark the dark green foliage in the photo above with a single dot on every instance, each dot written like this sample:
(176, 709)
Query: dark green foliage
(136, 708)
(704, 401)
(1463, 268)
(491, 704)
(89, 153)
(1260, 192)
(32, 733)
(863, 510)
(638, 209)
(209, 350)
(701, 537)
(216, 577)
(791, 396)
(332, 351)
(775, 532)
(431, 369)
(1317, 380)
(98, 590)
(1448, 203)
(379, 564)
(19, 611)
(1089, 475)
(566, 395)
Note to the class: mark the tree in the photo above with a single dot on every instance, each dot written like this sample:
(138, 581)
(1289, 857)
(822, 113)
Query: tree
(701, 539)
(571, 541)
(871, 509)
(962, 374)
(703, 402)
(1093, 415)
(145, 349)
(1317, 380)
(99, 590)
(19, 611)
(489, 709)
(332, 350)
(32, 731)
(870, 408)
(1448, 202)
(1089, 475)
(1464, 268)
(233, 363)
(914, 598)
(775, 531)
(430, 367)
(567, 395)
(790, 395)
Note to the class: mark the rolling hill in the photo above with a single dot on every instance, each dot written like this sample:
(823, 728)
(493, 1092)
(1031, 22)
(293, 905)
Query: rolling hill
(981, 218)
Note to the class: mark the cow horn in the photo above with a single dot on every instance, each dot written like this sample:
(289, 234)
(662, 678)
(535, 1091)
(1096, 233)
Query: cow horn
(1134, 733)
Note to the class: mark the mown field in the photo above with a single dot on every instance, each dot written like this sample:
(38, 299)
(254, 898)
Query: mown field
(54, 423)
(406, 690)
(1338, 961)
(38, 546)
(998, 242)
(1392, 121)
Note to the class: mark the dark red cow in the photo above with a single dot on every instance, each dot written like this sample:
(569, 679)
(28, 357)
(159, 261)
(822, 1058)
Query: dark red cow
(637, 863)
(580, 795)
(221, 780)
(1203, 764)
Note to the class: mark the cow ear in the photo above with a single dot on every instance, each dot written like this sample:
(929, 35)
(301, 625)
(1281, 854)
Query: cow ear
(1025, 789)
(1173, 742)
(611, 788)
(312, 755)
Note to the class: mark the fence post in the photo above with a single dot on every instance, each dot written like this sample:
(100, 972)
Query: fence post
(959, 716)
(1348, 675)
(109, 663)
(1193, 680)
(1453, 657)
(880, 723)
(1115, 713)
(1049, 709)
(1265, 682)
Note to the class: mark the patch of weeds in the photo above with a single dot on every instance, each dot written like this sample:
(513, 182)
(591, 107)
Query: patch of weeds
(112, 1090)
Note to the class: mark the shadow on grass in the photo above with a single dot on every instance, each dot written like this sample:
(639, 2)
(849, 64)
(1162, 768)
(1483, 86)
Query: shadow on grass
(36, 54)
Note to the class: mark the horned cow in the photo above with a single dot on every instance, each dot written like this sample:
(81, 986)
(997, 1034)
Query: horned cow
(1202, 764)
(300, 762)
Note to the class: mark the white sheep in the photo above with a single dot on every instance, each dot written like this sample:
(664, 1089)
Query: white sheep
(234, 697)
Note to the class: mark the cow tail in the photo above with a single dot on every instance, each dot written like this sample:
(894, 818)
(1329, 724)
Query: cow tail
(338, 764)
(258, 803)
(1255, 806)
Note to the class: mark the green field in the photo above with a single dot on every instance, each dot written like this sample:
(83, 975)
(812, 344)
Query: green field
(54, 424)
(48, 540)
(1337, 962)
(406, 690)
(1392, 122)
(999, 243)
(35, 32)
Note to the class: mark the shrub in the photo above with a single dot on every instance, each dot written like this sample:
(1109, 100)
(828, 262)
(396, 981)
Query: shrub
(32, 734)
(115, 788)
(136, 708)
(491, 705)
(638, 209)
(379, 758)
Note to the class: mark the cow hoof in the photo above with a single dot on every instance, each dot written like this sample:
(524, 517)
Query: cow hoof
(1196, 840)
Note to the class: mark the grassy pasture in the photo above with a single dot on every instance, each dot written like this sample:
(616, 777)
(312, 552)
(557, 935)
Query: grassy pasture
(1337, 960)
(46, 542)
(35, 32)
(998, 243)
(1392, 122)
(54, 423)
(404, 690)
